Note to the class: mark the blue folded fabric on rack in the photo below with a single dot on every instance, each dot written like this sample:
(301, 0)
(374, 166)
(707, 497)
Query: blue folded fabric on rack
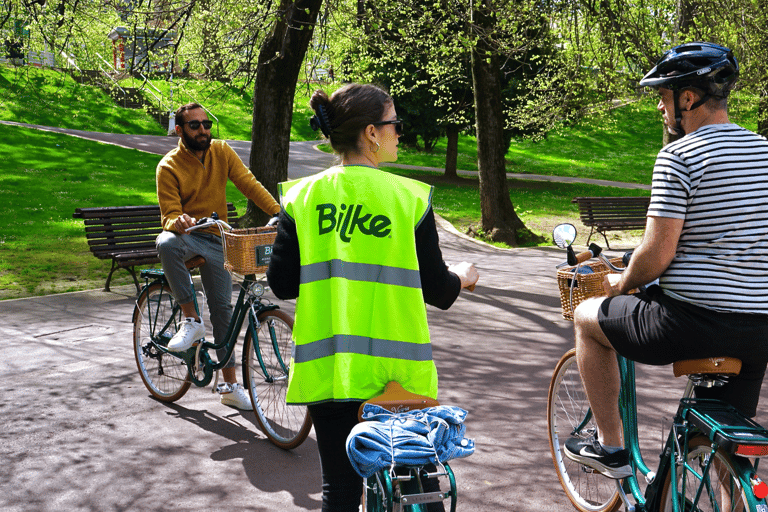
(413, 438)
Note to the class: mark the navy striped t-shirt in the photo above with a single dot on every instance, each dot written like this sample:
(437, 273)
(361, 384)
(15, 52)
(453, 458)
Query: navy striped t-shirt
(716, 179)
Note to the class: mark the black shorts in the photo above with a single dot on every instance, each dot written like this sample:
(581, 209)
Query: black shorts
(652, 328)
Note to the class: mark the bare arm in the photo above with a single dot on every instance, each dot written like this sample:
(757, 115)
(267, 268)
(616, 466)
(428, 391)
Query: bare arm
(650, 259)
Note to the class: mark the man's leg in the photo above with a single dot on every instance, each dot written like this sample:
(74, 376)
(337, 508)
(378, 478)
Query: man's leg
(599, 371)
(600, 375)
(217, 283)
(174, 250)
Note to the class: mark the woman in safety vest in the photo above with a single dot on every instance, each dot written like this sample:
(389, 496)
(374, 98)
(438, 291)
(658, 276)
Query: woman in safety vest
(358, 248)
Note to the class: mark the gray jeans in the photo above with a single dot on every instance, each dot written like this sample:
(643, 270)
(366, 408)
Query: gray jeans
(174, 250)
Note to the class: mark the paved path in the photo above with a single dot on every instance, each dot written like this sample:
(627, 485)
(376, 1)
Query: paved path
(79, 431)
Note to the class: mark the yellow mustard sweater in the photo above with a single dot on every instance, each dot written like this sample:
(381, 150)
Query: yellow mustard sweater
(187, 185)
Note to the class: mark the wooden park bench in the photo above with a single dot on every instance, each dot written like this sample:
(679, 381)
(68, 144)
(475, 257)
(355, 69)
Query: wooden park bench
(126, 235)
(603, 214)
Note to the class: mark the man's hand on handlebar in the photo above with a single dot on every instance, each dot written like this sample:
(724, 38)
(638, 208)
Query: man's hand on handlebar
(184, 222)
(467, 273)
(612, 285)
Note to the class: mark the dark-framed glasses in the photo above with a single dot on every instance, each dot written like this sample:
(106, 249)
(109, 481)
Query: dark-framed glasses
(195, 124)
(397, 122)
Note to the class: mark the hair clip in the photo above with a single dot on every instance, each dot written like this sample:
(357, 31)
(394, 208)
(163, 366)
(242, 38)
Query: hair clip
(320, 121)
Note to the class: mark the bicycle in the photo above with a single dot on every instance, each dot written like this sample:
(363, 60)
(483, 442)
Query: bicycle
(267, 342)
(400, 488)
(711, 456)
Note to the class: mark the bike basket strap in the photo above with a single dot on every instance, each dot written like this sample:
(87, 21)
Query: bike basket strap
(586, 285)
(247, 251)
(727, 427)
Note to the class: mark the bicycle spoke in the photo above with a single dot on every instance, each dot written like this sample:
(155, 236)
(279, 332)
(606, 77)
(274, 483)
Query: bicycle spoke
(164, 375)
(267, 352)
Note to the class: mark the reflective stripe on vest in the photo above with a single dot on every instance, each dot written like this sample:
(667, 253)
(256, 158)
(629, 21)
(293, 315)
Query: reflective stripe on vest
(360, 345)
(360, 272)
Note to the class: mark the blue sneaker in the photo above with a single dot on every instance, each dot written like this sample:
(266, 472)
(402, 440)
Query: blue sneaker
(591, 453)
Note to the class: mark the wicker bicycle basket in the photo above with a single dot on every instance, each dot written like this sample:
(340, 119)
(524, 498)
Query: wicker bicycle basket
(247, 251)
(585, 285)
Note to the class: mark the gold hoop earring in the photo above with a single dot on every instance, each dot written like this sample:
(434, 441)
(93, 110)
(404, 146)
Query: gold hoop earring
(377, 148)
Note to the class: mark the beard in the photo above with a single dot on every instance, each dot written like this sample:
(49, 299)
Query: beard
(199, 143)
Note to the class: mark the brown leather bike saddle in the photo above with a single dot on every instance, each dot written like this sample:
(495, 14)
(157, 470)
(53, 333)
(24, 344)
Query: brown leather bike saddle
(396, 399)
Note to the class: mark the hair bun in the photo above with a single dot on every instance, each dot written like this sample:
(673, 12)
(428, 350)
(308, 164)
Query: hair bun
(320, 121)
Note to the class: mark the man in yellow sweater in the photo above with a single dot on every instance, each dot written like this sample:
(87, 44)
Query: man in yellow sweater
(191, 182)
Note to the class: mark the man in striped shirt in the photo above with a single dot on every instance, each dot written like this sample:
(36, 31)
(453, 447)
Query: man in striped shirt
(706, 240)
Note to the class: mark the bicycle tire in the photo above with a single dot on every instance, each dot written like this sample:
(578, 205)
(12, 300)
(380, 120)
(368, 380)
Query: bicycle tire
(567, 408)
(718, 495)
(165, 376)
(265, 375)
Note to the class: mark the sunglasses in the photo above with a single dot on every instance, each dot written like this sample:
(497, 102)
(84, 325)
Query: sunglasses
(397, 122)
(196, 124)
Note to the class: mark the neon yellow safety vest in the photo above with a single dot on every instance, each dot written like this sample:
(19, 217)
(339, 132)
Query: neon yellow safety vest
(360, 320)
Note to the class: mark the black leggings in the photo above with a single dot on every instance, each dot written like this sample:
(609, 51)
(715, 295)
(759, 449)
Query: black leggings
(342, 486)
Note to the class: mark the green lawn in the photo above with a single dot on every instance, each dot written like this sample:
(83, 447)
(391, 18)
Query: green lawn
(50, 98)
(43, 249)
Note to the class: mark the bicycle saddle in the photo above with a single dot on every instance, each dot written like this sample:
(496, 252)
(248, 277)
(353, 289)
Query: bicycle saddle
(707, 366)
(194, 262)
(395, 398)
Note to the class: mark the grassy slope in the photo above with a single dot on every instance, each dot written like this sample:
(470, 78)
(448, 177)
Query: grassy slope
(49, 98)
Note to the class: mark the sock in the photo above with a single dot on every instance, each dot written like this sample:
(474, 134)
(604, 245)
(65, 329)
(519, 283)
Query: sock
(608, 449)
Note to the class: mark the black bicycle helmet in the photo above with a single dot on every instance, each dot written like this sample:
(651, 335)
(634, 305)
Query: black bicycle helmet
(708, 67)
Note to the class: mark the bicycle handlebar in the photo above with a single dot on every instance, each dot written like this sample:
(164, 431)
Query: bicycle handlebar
(207, 222)
(610, 265)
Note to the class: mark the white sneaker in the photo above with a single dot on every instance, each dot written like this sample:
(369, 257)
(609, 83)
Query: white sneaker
(235, 395)
(191, 331)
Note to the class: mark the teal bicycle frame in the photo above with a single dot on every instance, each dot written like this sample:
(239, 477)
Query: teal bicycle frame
(694, 416)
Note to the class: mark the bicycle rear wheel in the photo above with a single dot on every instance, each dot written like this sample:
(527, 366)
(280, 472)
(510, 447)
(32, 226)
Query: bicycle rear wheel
(156, 318)
(722, 489)
(568, 414)
(266, 368)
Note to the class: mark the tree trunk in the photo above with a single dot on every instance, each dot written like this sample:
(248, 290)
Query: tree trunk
(279, 64)
(452, 150)
(499, 222)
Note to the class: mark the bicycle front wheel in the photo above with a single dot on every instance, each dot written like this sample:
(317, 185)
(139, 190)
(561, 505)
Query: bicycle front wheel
(718, 487)
(265, 374)
(156, 319)
(568, 414)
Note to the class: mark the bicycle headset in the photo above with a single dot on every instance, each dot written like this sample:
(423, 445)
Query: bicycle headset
(708, 67)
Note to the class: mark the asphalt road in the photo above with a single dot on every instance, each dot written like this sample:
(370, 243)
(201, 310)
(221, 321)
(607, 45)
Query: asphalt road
(79, 432)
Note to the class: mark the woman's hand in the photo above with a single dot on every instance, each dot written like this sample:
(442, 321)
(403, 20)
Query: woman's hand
(466, 272)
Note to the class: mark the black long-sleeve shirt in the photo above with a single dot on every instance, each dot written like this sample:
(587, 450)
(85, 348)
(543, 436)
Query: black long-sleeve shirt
(439, 286)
